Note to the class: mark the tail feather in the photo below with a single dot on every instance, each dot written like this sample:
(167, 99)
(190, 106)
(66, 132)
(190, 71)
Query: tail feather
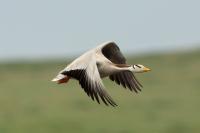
(58, 77)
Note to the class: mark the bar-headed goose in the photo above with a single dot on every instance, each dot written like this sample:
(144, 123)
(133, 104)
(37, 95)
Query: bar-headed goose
(102, 61)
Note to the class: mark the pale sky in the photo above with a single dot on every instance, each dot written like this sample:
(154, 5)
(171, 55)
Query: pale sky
(53, 28)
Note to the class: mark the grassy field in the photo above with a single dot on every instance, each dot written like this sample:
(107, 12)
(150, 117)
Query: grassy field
(168, 103)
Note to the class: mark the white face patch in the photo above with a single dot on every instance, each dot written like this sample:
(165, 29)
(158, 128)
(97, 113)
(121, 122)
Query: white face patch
(138, 68)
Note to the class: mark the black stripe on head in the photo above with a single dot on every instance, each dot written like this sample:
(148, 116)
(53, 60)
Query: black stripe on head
(138, 66)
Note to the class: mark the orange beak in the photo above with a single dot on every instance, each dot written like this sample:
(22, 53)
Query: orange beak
(146, 69)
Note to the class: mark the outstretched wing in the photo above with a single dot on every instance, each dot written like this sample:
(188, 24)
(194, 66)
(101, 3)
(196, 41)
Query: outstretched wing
(112, 52)
(90, 81)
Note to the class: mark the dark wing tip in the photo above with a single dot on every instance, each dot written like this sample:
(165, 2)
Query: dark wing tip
(112, 52)
(93, 89)
(127, 79)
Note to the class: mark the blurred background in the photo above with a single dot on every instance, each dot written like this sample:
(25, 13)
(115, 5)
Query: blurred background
(38, 38)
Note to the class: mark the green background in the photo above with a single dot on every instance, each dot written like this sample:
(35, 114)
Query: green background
(168, 103)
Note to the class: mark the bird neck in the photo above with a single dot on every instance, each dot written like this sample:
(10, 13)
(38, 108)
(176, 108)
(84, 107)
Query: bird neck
(125, 67)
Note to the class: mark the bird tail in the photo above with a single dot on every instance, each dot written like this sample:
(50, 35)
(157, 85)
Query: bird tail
(60, 78)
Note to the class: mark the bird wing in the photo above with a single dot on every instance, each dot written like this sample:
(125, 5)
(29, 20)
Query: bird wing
(88, 76)
(127, 79)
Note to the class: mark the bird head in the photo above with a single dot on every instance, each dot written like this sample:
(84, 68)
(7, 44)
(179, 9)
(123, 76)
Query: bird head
(138, 68)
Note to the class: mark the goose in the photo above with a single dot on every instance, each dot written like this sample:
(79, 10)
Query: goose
(100, 62)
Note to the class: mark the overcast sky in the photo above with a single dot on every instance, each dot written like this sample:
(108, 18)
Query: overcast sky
(53, 28)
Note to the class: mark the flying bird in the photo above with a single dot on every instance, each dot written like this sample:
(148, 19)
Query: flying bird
(103, 61)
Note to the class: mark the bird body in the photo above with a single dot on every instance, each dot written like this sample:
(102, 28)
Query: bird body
(102, 61)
